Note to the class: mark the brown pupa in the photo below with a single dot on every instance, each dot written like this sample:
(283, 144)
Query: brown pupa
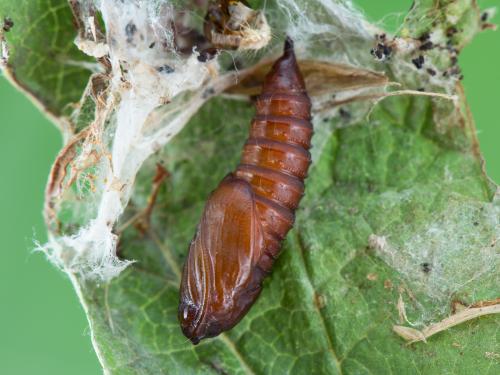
(249, 214)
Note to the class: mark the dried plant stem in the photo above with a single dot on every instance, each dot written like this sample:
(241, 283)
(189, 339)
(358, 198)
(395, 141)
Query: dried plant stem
(414, 335)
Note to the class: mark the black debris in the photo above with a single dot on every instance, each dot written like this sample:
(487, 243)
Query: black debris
(381, 51)
(152, 45)
(424, 37)
(165, 69)
(130, 30)
(387, 50)
(418, 62)
(452, 30)
(7, 24)
(345, 115)
(426, 267)
(484, 16)
(427, 46)
(377, 52)
(207, 54)
(455, 71)
(432, 72)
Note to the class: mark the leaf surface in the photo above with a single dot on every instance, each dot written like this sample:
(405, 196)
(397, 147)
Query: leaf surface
(43, 59)
(332, 300)
(399, 225)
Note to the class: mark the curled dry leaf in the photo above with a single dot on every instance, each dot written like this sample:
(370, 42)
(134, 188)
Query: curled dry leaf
(320, 78)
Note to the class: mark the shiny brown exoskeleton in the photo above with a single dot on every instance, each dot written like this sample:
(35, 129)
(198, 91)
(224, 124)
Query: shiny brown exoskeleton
(249, 214)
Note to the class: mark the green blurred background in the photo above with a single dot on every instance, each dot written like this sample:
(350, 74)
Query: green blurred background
(43, 328)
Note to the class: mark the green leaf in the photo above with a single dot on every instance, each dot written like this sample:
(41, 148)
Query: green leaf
(399, 225)
(43, 59)
(331, 302)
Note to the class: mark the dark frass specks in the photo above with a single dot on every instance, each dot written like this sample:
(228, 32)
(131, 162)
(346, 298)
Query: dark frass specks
(382, 50)
(207, 54)
(453, 71)
(424, 37)
(130, 31)
(418, 61)
(165, 69)
(452, 30)
(7, 24)
(426, 267)
(427, 46)
(344, 114)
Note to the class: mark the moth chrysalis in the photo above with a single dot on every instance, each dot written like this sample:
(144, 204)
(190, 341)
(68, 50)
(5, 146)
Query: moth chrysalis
(249, 214)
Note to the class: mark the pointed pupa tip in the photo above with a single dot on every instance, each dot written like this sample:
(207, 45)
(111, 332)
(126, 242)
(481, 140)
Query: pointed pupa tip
(288, 46)
(285, 76)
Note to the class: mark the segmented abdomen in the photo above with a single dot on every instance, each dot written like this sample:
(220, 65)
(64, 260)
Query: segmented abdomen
(275, 161)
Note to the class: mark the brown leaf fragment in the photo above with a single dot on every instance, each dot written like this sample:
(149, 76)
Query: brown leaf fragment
(413, 335)
(321, 77)
(57, 176)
